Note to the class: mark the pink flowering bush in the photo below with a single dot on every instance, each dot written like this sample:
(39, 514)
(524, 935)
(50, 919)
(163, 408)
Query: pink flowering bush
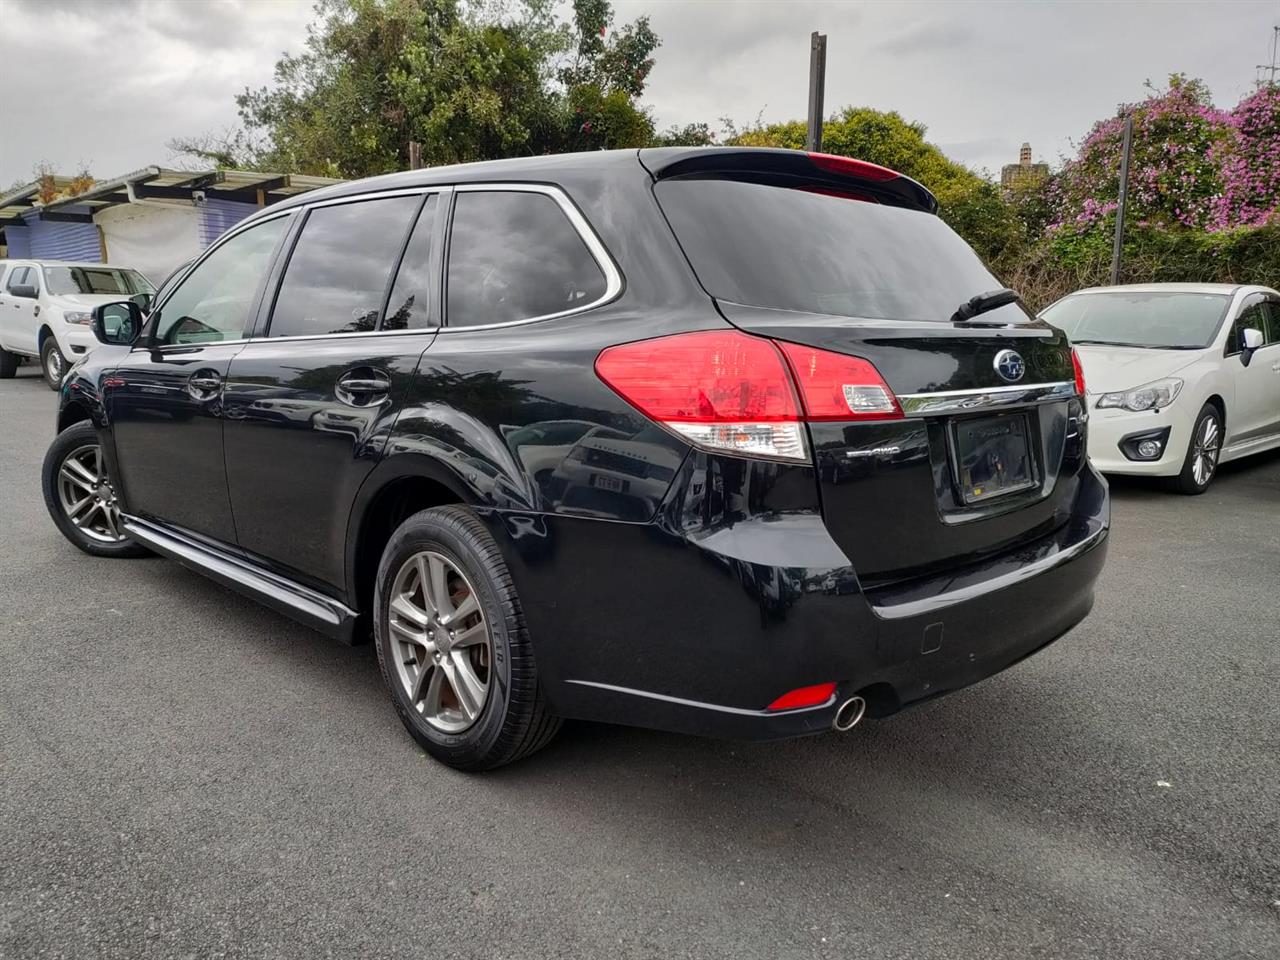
(1175, 170)
(1249, 164)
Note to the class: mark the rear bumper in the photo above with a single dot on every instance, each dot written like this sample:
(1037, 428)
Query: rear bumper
(649, 625)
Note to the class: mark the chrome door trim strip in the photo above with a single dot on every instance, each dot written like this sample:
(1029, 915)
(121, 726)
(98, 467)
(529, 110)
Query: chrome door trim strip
(964, 401)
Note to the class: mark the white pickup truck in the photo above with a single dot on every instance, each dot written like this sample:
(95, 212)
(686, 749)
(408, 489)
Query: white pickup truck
(45, 308)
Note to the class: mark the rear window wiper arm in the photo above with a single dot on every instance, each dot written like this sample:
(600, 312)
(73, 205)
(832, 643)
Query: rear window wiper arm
(984, 302)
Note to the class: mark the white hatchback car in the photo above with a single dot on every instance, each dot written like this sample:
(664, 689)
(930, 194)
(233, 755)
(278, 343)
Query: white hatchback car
(1180, 376)
(45, 308)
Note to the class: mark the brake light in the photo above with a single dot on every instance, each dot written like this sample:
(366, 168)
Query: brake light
(838, 387)
(813, 696)
(729, 391)
(717, 388)
(1079, 371)
(850, 167)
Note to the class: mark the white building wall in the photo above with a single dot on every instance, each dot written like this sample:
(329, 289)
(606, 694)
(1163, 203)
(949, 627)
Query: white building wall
(150, 237)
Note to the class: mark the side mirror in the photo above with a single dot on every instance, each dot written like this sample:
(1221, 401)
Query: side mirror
(1250, 339)
(27, 291)
(117, 324)
(144, 301)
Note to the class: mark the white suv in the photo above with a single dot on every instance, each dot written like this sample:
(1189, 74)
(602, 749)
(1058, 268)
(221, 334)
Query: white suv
(45, 309)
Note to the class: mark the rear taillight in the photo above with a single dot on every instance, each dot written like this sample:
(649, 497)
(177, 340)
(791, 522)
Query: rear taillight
(838, 387)
(1079, 371)
(728, 391)
(813, 696)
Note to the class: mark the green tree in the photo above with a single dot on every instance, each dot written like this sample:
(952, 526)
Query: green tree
(468, 81)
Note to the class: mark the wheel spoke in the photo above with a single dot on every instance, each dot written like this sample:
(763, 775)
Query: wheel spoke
(468, 687)
(477, 633)
(439, 585)
(73, 511)
(430, 702)
(109, 522)
(77, 472)
(463, 610)
(405, 608)
(97, 463)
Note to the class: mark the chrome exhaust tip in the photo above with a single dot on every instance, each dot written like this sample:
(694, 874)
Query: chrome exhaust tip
(849, 714)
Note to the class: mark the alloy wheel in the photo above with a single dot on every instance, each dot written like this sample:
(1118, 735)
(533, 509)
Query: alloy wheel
(441, 643)
(1204, 452)
(87, 496)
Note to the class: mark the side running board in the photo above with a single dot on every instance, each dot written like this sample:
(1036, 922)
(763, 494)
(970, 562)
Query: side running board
(281, 594)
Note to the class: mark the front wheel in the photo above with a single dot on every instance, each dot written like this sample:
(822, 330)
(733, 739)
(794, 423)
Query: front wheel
(80, 496)
(52, 362)
(1201, 462)
(452, 644)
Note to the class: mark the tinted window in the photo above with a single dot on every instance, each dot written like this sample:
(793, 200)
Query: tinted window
(64, 280)
(1253, 316)
(795, 249)
(339, 268)
(18, 276)
(514, 256)
(1136, 318)
(410, 305)
(213, 301)
(1272, 333)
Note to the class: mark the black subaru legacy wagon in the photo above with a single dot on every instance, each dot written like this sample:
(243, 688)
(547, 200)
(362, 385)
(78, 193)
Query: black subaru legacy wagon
(721, 441)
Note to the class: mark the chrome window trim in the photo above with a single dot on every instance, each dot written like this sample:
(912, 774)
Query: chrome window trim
(612, 277)
(964, 401)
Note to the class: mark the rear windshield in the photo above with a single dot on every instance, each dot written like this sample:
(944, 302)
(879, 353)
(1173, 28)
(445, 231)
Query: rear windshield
(1167, 320)
(794, 249)
(64, 280)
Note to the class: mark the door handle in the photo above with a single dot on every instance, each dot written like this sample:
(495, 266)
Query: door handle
(363, 387)
(204, 384)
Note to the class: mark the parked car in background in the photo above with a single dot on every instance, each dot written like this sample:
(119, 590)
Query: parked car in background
(556, 439)
(45, 309)
(1181, 376)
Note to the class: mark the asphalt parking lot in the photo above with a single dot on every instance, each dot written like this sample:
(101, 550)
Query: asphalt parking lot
(185, 774)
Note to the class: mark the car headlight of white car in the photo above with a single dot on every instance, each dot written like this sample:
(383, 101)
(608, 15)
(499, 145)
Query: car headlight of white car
(1149, 396)
(77, 316)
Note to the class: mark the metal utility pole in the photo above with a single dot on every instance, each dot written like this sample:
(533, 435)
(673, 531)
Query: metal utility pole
(1118, 248)
(817, 85)
(1272, 68)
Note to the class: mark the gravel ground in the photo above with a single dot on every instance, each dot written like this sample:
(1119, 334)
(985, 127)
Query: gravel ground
(184, 774)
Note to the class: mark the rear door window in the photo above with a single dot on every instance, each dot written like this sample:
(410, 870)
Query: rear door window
(338, 273)
(515, 255)
(813, 250)
(410, 306)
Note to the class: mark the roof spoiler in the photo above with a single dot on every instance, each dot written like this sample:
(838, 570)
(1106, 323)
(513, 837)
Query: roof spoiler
(793, 167)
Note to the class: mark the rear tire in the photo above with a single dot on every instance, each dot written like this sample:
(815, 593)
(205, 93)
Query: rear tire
(8, 364)
(95, 527)
(450, 586)
(1200, 465)
(52, 363)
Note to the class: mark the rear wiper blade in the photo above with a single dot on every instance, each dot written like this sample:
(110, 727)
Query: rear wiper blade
(984, 302)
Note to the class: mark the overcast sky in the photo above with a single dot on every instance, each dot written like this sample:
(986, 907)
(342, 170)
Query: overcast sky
(105, 83)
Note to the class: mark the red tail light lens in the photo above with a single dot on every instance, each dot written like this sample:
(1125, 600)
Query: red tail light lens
(838, 387)
(730, 391)
(717, 388)
(1079, 371)
(805, 697)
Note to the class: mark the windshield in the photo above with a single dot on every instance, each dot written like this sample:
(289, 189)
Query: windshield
(1169, 321)
(106, 280)
(797, 249)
